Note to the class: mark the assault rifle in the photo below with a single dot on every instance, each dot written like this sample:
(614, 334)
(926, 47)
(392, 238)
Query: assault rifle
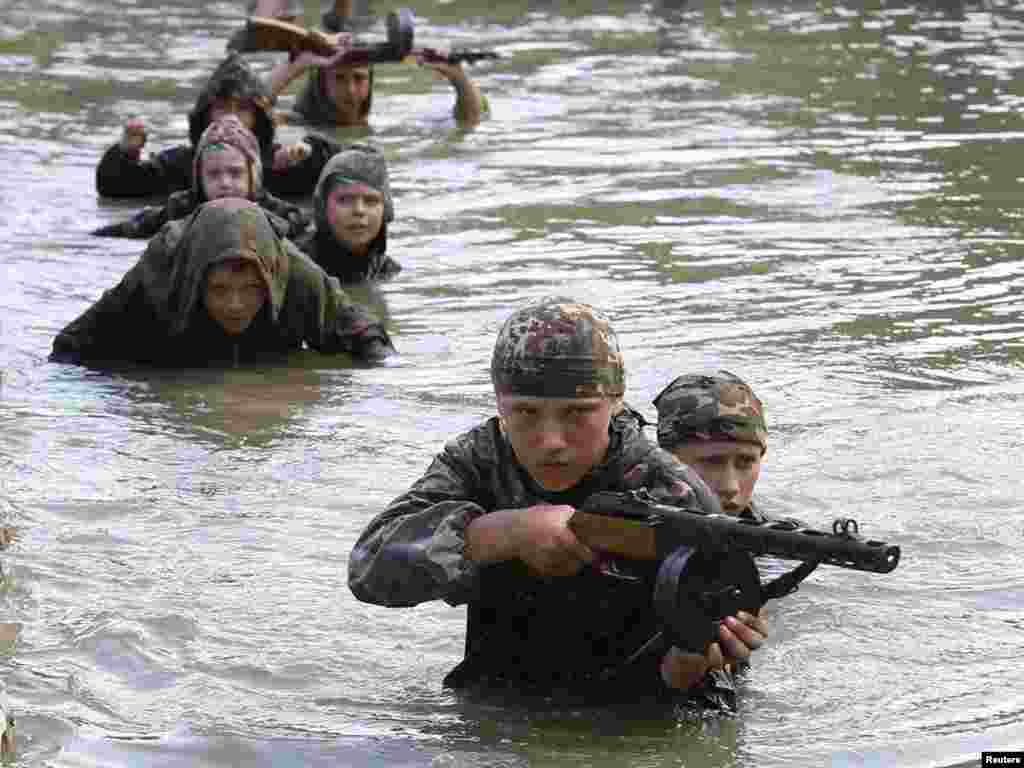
(707, 570)
(270, 34)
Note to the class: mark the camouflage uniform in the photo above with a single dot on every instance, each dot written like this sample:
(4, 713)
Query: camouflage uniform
(572, 633)
(363, 164)
(156, 315)
(710, 407)
(170, 170)
(719, 406)
(290, 220)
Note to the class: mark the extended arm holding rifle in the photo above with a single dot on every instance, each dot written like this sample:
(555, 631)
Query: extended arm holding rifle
(707, 571)
(267, 34)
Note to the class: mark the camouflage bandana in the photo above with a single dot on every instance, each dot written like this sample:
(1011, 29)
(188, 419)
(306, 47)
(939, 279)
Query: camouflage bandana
(710, 407)
(558, 348)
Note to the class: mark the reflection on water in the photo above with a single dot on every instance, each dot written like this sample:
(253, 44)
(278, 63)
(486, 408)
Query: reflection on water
(821, 197)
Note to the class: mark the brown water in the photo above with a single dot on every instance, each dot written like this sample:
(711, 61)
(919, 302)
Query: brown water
(820, 197)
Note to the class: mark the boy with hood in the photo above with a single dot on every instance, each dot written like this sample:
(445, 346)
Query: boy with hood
(226, 164)
(220, 287)
(488, 525)
(232, 88)
(352, 206)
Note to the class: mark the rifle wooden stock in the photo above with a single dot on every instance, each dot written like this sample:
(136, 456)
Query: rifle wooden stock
(262, 33)
(267, 34)
(632, 539)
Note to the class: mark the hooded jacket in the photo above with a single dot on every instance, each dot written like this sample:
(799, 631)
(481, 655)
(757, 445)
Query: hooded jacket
(574, 634)
(227, 130)
(361, 163)
(170, 170)
(156, 314)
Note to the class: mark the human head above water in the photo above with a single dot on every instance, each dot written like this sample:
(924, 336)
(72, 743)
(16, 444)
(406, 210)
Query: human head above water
(715, 423)
(227, 161)
(229, 238)
(350, 90)
(558, 347)
(558, 377)
(706, 407)
(234, 88)
(337, 95)
(358, 171)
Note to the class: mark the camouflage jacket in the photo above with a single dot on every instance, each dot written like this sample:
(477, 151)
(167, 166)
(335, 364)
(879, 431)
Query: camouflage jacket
(155, 315)
(289, 220)
(570, 633)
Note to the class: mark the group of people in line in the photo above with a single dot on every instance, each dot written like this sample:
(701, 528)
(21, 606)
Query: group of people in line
(234, 273)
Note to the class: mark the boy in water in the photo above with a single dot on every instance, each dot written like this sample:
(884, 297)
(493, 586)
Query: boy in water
(227, 164)
(339, 95)
(233, 88)
(488, 525)
(220, 287)
(715, 423)
(352, 206)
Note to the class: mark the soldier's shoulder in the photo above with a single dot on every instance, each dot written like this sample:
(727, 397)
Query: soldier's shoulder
(477, 445)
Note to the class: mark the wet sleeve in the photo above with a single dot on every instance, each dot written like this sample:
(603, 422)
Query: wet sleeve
(111, 329)
(670, 481)
(331, 321)
(120, 175)
(145, 223)
(414, 551)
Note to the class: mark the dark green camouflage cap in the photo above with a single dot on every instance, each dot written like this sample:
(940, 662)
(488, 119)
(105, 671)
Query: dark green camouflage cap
(719, 406)
(558, 347)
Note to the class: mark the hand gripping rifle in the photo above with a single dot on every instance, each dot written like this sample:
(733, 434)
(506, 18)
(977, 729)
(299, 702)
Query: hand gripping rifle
(707, 570)
(268, 34)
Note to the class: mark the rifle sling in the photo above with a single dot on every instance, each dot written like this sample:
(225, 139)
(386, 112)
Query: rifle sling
(788, 582)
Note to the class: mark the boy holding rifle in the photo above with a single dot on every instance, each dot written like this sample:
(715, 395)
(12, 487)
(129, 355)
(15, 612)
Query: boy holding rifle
(488, 525)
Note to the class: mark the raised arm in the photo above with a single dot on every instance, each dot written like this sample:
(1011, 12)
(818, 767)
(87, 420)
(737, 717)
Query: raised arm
(124, 172)
(470, 104)
(300, 62)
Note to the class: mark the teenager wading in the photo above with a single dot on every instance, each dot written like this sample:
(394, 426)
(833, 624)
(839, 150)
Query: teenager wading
(226, 164)
(352, 206)
(715, 423)
(233, 88)
(487, 525)
(220, 287)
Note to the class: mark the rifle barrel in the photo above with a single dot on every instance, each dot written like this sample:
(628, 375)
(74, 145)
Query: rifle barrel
(634, 526)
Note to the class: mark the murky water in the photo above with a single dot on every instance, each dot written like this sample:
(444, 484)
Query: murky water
(820, 197)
